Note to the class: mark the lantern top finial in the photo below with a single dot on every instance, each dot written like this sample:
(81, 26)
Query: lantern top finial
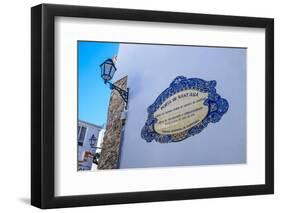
(114, 59)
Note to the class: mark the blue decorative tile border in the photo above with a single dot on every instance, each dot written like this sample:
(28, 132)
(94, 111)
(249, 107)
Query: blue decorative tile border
(217, 107)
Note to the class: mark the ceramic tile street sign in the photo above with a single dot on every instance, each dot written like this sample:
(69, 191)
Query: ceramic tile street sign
(184, 109)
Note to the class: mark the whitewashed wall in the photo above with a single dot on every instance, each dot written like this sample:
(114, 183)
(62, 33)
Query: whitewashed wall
(150, 70)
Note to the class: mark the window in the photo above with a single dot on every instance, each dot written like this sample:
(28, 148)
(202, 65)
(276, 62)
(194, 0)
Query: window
(78, 130)
(81, 135)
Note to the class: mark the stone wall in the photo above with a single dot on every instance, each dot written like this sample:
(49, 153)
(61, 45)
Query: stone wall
(112, 137)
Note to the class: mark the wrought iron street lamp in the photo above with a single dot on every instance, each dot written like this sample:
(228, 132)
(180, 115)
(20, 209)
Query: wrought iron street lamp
(93, 141)
(108, 70)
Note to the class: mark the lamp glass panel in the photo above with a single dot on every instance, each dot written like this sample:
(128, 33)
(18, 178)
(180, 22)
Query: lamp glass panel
(107, 69)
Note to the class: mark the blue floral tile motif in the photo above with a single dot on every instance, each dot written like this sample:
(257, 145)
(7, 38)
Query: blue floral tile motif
(217, 107)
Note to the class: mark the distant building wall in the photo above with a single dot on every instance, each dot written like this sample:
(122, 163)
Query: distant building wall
(85, 131)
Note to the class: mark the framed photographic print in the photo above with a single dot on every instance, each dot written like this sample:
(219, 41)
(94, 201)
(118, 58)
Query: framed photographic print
(139, 106)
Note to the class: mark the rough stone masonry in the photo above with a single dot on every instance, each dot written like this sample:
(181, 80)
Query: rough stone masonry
(112, 137)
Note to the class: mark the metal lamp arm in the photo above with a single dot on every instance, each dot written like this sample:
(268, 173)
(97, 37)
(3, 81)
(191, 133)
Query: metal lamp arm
(123, 93)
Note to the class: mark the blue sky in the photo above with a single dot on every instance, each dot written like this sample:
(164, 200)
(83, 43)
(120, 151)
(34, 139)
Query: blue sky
(93, 94)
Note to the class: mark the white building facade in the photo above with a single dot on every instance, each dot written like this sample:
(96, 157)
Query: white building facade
(150, 70)
(89, 140)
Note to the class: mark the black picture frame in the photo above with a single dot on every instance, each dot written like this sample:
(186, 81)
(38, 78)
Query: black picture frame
(43, 105)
